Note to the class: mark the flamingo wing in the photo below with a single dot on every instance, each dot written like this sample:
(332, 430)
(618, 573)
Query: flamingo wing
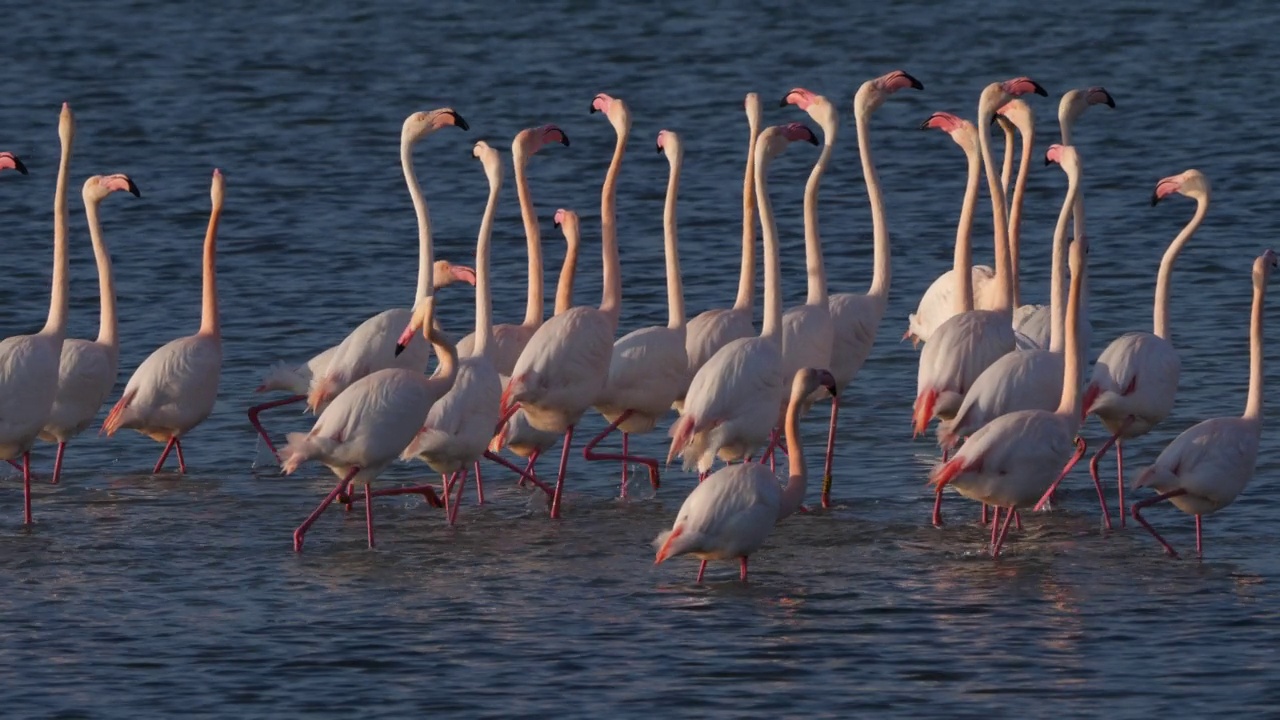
(728, 515)
(86, 376)
(648, 370)
(938, 302)
(175, 387)
(1213, 459)
(712, 330)
(28, 384)
(855, 320)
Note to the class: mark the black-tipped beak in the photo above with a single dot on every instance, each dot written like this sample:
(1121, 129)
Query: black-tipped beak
(915, 84)
(1047, 161)
(1155, 199)
(659, 149)
(783, 102)
(813, 139)
(564, 139)
(1110, 101)
(134, 189)
(457, 120)
(925, 125)
(17, 165)
(593, 108)
(1039, 89)
(555, 223)
(400, 347)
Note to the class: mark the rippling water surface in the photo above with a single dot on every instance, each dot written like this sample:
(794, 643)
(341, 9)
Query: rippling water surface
(158, 595)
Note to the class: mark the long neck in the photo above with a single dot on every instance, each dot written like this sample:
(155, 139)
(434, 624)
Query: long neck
(611, 296)
(533, 238)
(675, 290)
(1015, 213)
(1069, 405)
(1253, 407)
(446, 356)
(812, 235)
(56, 324)
(209, 324)
(772, 324)
(747, 275)
(1006, 171)
(797, 482)
(564, 290)
(484, 303)
(999, 215)
(107, 325)
(882, 272)
(425, 259)
(964, 232)
(1161, 319)
(1066, 122)
(1058, 282)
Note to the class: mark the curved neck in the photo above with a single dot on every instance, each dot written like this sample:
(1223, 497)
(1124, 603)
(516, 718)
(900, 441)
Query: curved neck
(446, 356)
(484, 302)
(675, 290)
(107, 325)
(209, 324)
(1006, 171)
(798, 475)
(1000, 218)
(533, 238)
(1015, 212)
(1058, 282)
(1066, 122)
(1161, 313)
(425, 269)
(882, 271)
(1069, 405)
(964, 231)
(611, 295)
(564, 290)
(1253, 407)
(56, 324)
(817, 294)
(772, 323)
(747, 275)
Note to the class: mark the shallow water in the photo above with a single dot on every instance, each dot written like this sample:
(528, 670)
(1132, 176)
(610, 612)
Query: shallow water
(136, 595)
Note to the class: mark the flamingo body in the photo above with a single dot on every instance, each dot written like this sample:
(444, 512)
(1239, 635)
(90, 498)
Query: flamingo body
(172, 391)
(1010, 462)
(648, 370)
(1135, 377)
(957, 353)
(28, 386)
(563, 368)
(86, 375)
(938, 303)
(729, 515)
(1211, 461)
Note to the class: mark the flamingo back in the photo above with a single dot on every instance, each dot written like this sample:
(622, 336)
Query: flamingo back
(1136, 375)
(728, 515)
(172, 391)
(938, 302)
(367, 349)
(712, 330)
(648, 370)
(855, 320)
(1212, 461)
(86, 376)
(28, 385)
(459, 426)
(1023, 380)
(563, 368)
(1014, 459)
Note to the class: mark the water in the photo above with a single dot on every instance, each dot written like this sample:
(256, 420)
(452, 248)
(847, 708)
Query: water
(136, 595)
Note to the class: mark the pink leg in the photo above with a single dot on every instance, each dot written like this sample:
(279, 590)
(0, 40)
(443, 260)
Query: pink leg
(1137, 515)
(16, 465)
(1097, 483)
(703, 476)
(742, 575)
(479, 484)
(457, 501)
(984, 514)
(301, 532)
(57, 463)
(448, 497)
(995, 528)
(1004, 531)
(626, 450)
(525, 474)
(937, 509)
(702, 568)
(1120, 478)
(368, 513)
(945, 454)
(164, 455)
(182, 462)
(831, 450)
(564, 465)
(26, 488)
(1017, 519)
(1199, 547)
(257, 424)
(426, 491)
(589, 453)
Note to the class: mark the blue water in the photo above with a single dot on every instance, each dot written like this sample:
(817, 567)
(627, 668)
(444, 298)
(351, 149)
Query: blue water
(137, 595)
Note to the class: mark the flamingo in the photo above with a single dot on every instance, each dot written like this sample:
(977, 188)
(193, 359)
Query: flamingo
(731, 514)
(366, 428)
(965, 344)
(29, 363)
(1204, 469)
(855, 317)
(735, 400)
(712, 329)
(296, 379)
(1011, 462)
(1034, 321)
(87, 369)
(370, 347)
(1135, 379)
(174, 389)
(565, 364)
(649, 367)
(509, 339)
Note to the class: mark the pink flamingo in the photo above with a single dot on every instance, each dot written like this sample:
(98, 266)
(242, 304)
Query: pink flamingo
(174, 388)
(1206, 467)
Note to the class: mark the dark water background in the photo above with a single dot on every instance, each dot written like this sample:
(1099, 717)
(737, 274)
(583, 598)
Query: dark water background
(136, 595)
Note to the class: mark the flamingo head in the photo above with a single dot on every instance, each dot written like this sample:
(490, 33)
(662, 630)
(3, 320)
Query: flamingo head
(1190, 182)
(961, 131)
(807, 380)
(999, 93)
(66, 124)
(100, 186)
(567, 221)
(1075, 102)
(669, 143)
(9, 161)
(492, 162)
(873, 93)
(422, 124)
(215, 189)
(1018, 112)
(445, 273)
(1061, 154)
(614, 109)
(1263, 266)
(423, 314)
(531, 140)
(818, 108)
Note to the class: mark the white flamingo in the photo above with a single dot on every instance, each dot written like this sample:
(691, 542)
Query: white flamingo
(174, 388)
(1135, 379)
(1206, 467)
(735, 400)
(458, 427)
(965, 344)
(731, 514)
(366, 428)
(1012, 461)
(713, 329)
(29, 363)
(371, 346)
(87, 369)
(509, 339)
(649, 367)
(296, 379)
(855, 317)
(565, 364)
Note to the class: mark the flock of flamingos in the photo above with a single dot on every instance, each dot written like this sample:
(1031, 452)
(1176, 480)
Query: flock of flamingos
(1003, 378)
